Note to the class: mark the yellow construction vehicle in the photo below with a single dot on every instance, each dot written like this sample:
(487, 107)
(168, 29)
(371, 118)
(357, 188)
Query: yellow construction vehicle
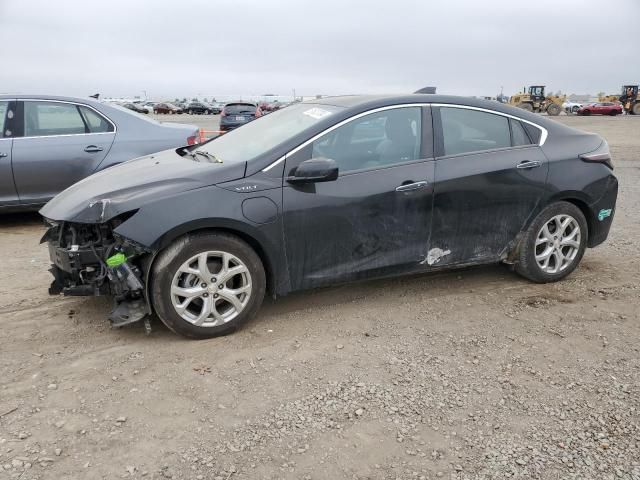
(534, 100)
(609, 98)
(630, 99)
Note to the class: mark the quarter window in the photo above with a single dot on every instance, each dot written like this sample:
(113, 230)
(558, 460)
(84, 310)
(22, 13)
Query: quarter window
(519, 135)
(51, 118)
(466, 131)
(373, 141)
(96, 123)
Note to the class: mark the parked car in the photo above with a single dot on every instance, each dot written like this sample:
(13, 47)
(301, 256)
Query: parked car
(198, 108)
(214, 108)
(327, 192)
(169, 108)
(571, 107)
(136, 107)
(601, 108)
(48, 143)
(235, 114)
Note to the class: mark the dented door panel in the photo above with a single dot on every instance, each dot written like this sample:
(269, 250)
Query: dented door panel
(482, 201)
(358, 226)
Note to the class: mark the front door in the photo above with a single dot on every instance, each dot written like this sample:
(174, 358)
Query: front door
(61, 144)
(490, 177)
(8, 194)
(375, 219)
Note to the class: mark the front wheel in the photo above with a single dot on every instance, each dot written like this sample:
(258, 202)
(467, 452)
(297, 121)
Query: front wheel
(207, 284)
(554, 243)
(553, 109)
(575, 109)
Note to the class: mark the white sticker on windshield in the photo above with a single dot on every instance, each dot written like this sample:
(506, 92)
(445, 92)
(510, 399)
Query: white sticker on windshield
(316, 113)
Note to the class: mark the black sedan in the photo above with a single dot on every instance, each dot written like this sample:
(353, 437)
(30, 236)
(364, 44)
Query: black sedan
(333, 191)
(198, 108)
(136, 107)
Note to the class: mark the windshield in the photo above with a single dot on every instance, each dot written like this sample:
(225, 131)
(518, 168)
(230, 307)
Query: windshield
(254, 138)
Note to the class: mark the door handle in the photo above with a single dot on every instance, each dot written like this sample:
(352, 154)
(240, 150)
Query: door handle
(528, 164)
(93, 149)
(2, 155)
(411, 186)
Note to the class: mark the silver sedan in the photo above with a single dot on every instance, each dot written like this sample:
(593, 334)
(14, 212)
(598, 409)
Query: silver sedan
(49, 143)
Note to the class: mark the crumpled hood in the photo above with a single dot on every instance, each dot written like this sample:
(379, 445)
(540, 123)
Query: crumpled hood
(128, 186)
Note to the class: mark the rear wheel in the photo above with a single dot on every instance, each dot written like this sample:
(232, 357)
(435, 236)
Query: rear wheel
(554, 243)
(525, 106)
(207, 284)
(575, 109)
(636, 109)
(613, 112)
(553, 109)
(586, 112)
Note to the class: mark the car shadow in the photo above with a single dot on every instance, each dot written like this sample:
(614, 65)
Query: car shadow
(20, 219)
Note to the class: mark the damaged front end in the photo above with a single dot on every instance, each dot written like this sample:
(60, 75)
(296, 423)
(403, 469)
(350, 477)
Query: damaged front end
(92, 260)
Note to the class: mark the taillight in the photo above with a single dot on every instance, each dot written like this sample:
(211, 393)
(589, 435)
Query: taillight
(192, 140)
(599, 155)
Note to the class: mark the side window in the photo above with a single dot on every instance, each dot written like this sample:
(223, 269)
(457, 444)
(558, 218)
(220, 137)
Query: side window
(375, 140)
(96, 123)
(466, 131)
(534, 133)
(519, 135)
(4, 106)
(51, 118)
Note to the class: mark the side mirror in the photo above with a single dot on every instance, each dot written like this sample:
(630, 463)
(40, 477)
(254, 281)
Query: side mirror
(315, 170)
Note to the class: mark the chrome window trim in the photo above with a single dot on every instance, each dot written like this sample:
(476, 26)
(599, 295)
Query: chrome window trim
(337, 125)
(543, 136)
(115, 128)
(544, 133)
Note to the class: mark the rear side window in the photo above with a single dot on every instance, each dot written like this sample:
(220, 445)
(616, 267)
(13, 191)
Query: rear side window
(52, 118)
(467, 131)
(96, 123)
(519, 135)
(534, 133)
(239, 108)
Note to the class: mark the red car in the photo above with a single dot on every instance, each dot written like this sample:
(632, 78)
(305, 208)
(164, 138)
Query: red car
(603, 108)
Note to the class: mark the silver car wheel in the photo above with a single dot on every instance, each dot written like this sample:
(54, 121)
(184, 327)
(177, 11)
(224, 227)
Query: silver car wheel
(211, 289)
(558, 243)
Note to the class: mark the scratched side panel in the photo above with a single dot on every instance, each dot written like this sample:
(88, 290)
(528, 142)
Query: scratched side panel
(482, 201)
(357, 226)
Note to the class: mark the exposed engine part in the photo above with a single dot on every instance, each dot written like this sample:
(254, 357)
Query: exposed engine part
(89, 260)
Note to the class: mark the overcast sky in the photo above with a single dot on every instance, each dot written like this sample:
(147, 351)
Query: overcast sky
(215, 47)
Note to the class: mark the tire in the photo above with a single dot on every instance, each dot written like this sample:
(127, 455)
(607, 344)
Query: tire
(575, 109)
(525, 106)
(168, 276)
(613, 113)
(586, 112)
(636, 109)
(554, 109)
(527, 265)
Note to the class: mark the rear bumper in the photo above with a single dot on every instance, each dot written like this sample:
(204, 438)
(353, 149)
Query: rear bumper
(602, 213)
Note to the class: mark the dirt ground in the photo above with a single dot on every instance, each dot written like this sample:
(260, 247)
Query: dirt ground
(472, 374)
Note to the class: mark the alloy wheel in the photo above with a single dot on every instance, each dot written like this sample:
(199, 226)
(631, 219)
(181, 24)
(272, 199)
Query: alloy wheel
(211, 288)
(558, 243)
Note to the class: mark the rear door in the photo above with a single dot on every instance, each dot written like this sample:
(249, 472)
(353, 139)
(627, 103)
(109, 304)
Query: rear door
(61, 143)
(490, 177)
(8, 194)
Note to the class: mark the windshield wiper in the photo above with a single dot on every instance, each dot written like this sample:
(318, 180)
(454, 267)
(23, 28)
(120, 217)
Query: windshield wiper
(209, 156)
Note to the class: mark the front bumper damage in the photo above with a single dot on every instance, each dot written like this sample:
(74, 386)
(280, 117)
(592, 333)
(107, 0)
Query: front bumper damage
(92, 260)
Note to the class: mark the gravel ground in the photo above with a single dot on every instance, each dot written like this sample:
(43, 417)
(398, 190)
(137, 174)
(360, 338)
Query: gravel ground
(472, 374)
